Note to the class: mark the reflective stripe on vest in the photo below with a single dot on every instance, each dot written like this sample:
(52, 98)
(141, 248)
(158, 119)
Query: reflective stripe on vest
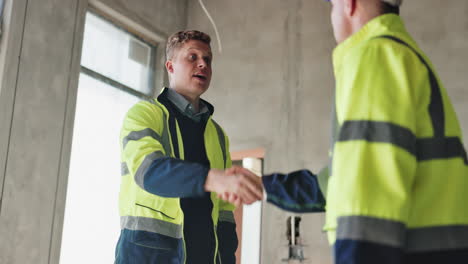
(151, 225)
(137, 135)
(227, 216)
(424, 149)
(395, 234)
(144, 166)
(148, 132)
(124, 169)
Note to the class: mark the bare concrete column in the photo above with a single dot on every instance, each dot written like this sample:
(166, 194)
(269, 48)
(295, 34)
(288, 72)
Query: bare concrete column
(10, 46)
(39, 69)
(45, 41)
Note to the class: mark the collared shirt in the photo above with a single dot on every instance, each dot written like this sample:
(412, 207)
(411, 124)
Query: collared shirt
(186, 108)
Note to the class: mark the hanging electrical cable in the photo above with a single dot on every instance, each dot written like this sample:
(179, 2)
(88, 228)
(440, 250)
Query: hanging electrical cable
(220, 48)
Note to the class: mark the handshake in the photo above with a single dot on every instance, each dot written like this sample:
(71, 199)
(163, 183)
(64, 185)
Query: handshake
(235, 185)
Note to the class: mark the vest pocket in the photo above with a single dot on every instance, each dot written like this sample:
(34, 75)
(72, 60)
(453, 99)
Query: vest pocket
(150, 205)
(156, 211)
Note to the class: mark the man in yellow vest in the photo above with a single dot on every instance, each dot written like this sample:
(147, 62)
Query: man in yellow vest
(175, 159)
(397, 186)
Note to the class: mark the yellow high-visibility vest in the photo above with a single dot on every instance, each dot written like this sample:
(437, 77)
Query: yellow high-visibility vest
(145, 137)
(399, 168)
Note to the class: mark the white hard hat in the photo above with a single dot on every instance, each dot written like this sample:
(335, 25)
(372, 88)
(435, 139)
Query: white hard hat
(394, 2)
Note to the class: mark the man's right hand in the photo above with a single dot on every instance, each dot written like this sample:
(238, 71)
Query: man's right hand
(236, 185)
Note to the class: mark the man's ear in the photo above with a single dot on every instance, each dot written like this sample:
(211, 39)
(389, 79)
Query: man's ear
(169, 66)
(350, 7)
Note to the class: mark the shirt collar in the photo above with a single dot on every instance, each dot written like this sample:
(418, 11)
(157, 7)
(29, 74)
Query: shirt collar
(185, 107)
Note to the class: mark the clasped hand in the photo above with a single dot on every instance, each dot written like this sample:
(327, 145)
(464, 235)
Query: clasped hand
(236, 185)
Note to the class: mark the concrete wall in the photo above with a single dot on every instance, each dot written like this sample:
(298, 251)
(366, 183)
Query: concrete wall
(40, 84)
(162, 17)
(271, 88)
(39, 69)
(273, 84)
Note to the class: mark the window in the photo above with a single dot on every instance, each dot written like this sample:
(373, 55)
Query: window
(111, 54)
(117, 70)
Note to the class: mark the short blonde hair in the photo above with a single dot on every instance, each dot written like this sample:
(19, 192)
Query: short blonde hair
(179, 38)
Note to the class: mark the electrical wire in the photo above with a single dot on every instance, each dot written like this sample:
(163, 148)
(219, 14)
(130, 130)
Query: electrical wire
(220, 48)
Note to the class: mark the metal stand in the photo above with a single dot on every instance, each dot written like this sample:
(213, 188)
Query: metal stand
(296, 252)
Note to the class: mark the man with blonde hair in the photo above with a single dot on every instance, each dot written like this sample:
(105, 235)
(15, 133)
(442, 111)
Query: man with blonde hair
(175, 162)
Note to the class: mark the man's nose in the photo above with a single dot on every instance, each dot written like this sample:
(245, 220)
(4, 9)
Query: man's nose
(201, 64)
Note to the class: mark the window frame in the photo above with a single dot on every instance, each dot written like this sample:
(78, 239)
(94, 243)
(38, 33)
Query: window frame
(141, 30)
(153, 65)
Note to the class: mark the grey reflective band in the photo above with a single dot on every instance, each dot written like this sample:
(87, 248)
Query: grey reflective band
(166, 142)
(124, 169)
(222, 141)
(436, 106)
(395, 234)
(437, 238)
(144, 166)
(423, 149)
(374, 131)
(226, 216)
(440, 148)
(163, 139)
(369, 229)
(137, 135)
(151, 225)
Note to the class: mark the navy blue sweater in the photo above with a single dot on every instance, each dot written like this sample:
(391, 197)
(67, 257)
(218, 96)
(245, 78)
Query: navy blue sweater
(185, 179)
(198, 225)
